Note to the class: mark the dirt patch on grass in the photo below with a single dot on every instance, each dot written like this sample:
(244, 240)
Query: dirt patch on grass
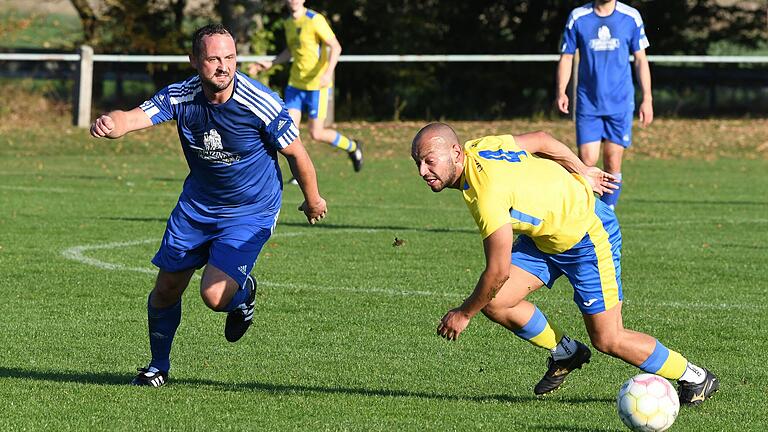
(26, 108)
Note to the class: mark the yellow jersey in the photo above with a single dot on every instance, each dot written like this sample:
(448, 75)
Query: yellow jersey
(305, 37)
(503, 184)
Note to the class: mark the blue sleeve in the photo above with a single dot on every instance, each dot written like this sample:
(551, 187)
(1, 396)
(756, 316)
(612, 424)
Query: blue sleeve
(275, 125)
(158, 108)
(281, 132)
(569, 36)
(639, 40)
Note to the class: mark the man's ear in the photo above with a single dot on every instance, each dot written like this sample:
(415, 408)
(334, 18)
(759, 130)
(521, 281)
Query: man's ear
(456, 152)
(192, 61)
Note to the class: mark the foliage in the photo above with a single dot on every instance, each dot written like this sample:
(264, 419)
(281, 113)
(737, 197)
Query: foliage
(431, 90)
(34, 31)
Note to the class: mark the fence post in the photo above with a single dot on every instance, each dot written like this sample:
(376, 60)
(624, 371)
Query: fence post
(84, 88)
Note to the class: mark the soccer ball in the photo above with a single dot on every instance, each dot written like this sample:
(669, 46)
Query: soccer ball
(647, 403)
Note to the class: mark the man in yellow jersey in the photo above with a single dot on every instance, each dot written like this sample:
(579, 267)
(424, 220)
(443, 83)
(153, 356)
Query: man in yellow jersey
(562, 230)
(315, 51)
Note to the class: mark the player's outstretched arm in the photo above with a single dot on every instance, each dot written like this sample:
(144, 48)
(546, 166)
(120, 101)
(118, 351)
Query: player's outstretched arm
(263, 65)
(314, 206)
(545, 145)
(117, 123)
(498, 255)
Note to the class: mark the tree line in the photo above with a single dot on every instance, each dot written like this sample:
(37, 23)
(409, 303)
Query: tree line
(386, 90)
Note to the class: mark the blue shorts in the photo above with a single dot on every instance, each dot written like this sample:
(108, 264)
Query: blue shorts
(313, 102)
(593, 266)
(616, 128)
(232, 247)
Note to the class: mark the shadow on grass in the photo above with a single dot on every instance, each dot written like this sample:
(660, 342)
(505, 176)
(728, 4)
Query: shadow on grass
(321, 227)
(329, 226)
(567, 428)
(105, 378)
(134, 219)
(687, 202)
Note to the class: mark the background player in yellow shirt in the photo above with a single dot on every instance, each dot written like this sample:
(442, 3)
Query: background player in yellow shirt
(562, 230)
(315, 51)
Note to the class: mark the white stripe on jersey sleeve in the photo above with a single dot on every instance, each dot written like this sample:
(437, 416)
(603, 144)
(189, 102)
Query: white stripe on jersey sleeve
(186, 97)
(151, 112)
(632, 12)
(258, 102)
(184, 91)
(578, 13)
(149, 108)
(258, 112)
(261, 94)
(287, 138)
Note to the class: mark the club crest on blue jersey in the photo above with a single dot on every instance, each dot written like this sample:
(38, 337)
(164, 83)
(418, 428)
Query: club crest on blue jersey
(604, 41)
(213, 149)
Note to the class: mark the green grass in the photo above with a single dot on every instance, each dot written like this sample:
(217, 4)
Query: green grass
(344, 334)
(39, 30)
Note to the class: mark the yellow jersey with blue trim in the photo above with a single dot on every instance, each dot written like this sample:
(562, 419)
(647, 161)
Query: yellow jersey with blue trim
(504, 184)
(306, 37)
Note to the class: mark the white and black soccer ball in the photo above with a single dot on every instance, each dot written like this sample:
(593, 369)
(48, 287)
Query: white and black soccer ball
(647, 403)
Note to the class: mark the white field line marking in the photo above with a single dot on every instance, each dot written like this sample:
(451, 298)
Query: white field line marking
(77, 253)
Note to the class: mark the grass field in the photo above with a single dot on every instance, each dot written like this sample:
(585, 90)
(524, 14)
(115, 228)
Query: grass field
(344, 334)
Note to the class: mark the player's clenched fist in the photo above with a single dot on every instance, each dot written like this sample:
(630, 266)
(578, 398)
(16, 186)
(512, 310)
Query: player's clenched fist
(314, 211)
(102, 126)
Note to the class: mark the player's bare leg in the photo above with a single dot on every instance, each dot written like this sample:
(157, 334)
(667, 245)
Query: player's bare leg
(607, 334)
(589, 153)
(221, 293)
(169, 287)
(318, 132)
(613, 155)
(509, 308)
(523, 318)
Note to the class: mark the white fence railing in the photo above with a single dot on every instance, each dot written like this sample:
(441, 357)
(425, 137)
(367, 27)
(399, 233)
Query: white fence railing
(85, 57)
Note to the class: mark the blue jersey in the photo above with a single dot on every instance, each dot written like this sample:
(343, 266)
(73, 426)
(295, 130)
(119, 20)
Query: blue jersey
(231, 148)
(604, 44)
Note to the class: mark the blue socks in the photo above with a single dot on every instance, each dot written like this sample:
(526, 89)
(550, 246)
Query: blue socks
(162, 328)
(240, 297)
(612, 199)
(163, 323)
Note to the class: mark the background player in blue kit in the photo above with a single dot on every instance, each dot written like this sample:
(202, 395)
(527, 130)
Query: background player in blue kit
(605, 32)
(231, 129)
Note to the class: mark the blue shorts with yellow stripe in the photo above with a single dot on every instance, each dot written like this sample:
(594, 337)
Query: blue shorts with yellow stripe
(593, 265)
(313, 102)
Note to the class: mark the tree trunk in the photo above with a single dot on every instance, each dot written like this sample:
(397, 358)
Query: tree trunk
(88, 18)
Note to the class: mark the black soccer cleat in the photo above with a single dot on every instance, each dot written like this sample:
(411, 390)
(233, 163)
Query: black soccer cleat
(240, 319)
(150, 379)
(292, 181)
(357, 156)
(557, 370)
(695, 394)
